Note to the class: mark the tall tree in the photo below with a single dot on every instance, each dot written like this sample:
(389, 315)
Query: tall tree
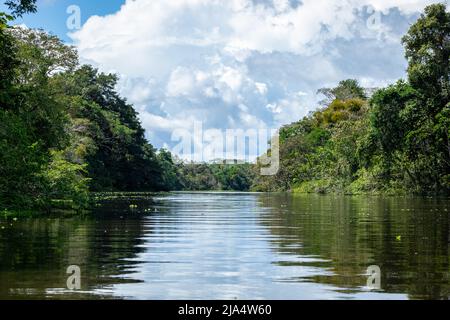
(427, 46)
(345, 90)
(412, 119)
(118, 155)
(34, 124)
(20, 7)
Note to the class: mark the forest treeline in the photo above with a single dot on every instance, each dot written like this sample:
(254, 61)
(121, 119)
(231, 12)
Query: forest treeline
(395, 140)
(65, 131)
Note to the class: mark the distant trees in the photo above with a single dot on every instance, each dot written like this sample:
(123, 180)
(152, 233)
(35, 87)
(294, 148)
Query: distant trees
(203, 176)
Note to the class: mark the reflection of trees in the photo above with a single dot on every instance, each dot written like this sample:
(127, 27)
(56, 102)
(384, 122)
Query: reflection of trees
(407, 237)
(35, 253)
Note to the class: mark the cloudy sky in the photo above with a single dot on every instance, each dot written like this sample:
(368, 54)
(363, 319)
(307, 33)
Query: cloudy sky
(233, 63)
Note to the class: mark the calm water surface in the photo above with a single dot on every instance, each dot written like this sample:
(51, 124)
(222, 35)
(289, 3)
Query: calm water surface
(233, 246)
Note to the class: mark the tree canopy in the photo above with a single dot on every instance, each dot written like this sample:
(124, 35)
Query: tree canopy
(396, 141)
(20, 7)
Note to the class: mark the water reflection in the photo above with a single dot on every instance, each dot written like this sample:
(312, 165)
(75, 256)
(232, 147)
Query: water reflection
(407, 237)
(35, 254)
(233, 246)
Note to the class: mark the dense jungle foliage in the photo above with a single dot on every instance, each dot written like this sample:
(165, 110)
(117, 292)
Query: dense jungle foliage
(65, 131)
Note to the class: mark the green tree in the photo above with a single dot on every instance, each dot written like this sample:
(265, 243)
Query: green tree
(8, 63)
(20, 7)
(427, 48)
(118, 155)
(387, 116)
(33, 121)
(345, 90)
(410, 120)
(170, 171)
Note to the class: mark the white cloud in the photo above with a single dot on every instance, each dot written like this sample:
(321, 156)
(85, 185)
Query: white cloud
(294, 106)
(181, 82)
(242, 63)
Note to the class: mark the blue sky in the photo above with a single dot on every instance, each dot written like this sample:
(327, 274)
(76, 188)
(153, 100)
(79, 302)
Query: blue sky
(233, 64)
(52, 15)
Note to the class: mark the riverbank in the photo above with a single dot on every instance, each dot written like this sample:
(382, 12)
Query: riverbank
(328, 187)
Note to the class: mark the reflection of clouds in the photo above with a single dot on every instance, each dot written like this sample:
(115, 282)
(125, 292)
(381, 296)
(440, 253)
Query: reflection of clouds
(220, 245)
(211, 245)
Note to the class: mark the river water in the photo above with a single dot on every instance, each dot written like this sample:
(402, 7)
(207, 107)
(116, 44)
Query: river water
(209, 245)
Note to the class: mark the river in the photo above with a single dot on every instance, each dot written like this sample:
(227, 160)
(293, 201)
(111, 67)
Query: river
(213, 245)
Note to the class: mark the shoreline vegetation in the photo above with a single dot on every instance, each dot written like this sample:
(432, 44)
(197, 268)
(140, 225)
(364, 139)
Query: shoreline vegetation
(66, 134)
